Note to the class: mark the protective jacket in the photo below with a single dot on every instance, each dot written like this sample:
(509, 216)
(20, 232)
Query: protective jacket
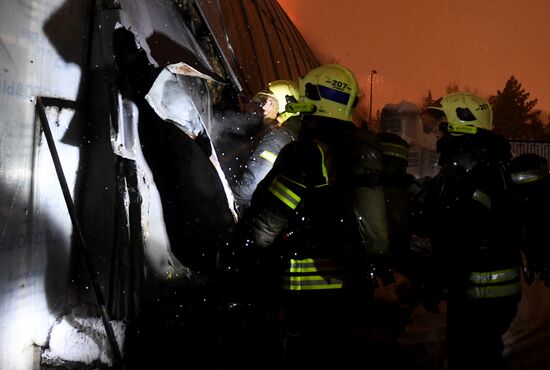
(319, 220)
(475, 236)
(262, 159)
(475, 241)
(320, 204)
(397, 184)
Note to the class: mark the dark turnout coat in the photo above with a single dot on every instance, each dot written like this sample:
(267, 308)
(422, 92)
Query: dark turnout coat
(475, 240)
(262, 159)
(318, 221)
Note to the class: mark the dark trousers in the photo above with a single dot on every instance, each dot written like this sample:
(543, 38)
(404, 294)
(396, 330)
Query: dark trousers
(474, 331)
(324, 332)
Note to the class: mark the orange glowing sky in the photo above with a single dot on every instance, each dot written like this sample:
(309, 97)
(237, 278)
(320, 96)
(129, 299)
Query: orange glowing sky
(417, 45)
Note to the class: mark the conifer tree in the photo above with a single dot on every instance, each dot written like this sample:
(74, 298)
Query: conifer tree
(514, 115)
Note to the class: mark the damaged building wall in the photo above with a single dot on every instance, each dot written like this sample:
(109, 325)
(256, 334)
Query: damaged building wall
(35, 228)
(63, 50)
(48, 311)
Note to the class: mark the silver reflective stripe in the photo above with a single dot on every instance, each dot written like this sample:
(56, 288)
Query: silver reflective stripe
(482, 198)
(494, 277)
(530, 176)
(493, 291)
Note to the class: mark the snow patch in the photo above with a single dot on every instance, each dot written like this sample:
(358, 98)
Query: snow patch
(77, 339)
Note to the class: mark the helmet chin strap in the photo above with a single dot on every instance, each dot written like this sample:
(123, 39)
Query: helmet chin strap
(282, 117)
(300, 108)
(453, 128)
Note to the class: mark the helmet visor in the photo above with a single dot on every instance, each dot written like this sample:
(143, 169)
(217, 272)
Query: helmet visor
(316, 92)
(334, 95)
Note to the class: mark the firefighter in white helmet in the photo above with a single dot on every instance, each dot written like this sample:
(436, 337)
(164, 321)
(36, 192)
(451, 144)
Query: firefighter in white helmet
(282, 128)
(317, 223)
(475, 238)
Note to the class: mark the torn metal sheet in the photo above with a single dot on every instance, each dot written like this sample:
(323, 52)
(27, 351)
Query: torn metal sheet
(161, 32)
(172, 99)
(185, 69)
(169, 100)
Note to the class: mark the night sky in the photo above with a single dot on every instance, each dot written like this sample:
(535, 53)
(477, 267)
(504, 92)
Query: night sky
(417, 45)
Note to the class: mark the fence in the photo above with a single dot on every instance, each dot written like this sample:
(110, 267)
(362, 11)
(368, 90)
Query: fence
(541, 148)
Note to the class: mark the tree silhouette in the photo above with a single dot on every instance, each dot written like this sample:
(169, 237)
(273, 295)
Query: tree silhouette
(452, 87)
(427, 100)
(514, 115)
(429, 123)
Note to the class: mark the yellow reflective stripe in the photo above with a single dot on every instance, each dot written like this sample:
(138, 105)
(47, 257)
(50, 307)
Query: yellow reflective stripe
(323, 166)
(488, 281)
(284, 194)
(315, 282)
(525, 177)
(395, 150)
(311, 265)
(282, 117)
(268, 156)
(494, 277)
(482, 198)
(493, 291)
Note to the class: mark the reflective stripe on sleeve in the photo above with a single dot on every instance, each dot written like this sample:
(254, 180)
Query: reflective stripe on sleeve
(284, 194)
(482, 198)
(525, 177)
(268, 156)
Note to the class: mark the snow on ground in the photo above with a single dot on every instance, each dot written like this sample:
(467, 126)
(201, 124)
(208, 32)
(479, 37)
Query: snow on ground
(80, 339)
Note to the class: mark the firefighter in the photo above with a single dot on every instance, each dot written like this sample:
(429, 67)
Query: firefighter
(474, 235)
(282, 128)
(532, 179)
(396, 182)
(394, 304)
(317, 225)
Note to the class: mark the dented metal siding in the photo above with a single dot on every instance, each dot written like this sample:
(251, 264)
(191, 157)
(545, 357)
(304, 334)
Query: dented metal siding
(43, 52)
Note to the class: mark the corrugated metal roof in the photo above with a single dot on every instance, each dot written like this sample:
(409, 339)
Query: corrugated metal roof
(258, 42)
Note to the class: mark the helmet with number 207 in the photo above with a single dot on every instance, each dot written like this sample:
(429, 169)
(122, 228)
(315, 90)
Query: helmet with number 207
(330, 90)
